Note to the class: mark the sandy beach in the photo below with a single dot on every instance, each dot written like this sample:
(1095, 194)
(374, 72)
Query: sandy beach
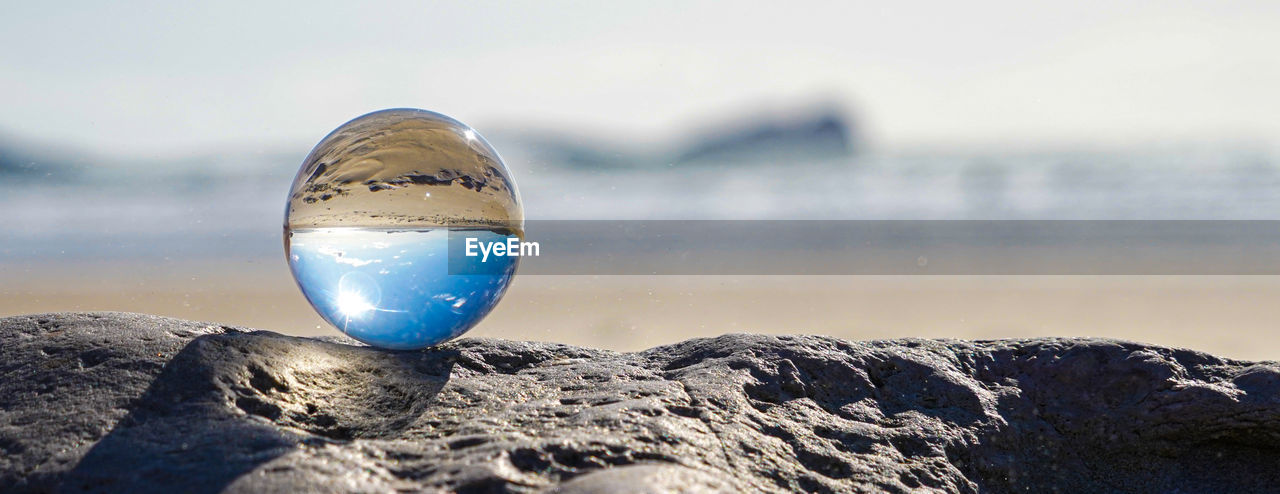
(1231, 316)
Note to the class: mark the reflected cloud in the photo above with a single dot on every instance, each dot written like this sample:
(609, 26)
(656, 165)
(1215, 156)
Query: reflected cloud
(341, 257)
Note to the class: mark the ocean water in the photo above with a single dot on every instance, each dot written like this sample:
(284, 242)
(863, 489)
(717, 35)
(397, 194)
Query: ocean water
(398, 289)
(1178, 184)
(233, 212)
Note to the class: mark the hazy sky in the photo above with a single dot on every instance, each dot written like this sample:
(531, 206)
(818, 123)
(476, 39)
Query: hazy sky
(164, 77)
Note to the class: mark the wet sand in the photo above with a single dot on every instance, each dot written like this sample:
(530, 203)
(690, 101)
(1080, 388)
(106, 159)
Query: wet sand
(1233, 316)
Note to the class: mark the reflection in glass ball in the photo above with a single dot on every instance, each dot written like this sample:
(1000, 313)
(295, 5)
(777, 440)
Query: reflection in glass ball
(374, 217)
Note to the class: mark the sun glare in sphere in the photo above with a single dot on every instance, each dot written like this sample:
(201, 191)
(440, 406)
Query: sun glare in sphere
(352, 304)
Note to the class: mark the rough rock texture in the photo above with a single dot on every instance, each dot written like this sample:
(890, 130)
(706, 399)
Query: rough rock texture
(125, 402)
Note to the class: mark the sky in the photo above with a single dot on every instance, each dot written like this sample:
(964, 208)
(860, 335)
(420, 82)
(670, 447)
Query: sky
(156, 78)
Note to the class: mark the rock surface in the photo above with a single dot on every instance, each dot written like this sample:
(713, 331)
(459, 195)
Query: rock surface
(127, 402)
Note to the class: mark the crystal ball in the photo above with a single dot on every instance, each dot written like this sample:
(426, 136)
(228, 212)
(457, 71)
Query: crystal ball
(374, 220)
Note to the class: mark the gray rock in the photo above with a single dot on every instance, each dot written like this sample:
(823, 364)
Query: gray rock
(126, 402)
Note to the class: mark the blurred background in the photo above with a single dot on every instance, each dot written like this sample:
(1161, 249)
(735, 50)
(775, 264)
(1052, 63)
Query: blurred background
(146, 150)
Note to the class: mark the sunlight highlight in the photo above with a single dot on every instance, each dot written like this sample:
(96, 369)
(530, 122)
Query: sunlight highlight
(352, 304)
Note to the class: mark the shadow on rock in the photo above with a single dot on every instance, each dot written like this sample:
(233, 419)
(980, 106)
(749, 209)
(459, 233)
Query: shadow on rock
(92, 402)
(228, 403)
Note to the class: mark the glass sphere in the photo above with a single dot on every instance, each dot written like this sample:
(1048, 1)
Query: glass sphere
(373, 213)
